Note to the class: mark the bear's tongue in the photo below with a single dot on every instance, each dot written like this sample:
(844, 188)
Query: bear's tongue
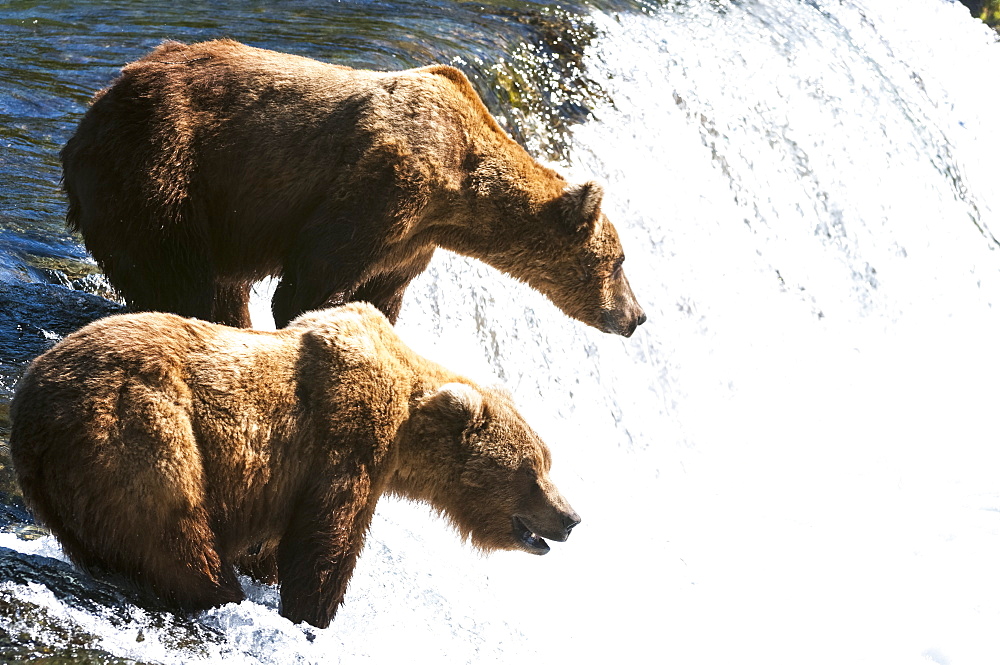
(529, 539)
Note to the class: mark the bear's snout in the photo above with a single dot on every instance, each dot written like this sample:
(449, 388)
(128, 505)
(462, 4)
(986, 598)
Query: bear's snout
(531, 530)
(624, 321)
(637, 321)
(570, 520)
(624, 315)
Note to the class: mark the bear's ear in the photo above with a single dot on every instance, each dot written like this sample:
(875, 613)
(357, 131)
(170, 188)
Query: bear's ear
(581, 206)
(459, 403)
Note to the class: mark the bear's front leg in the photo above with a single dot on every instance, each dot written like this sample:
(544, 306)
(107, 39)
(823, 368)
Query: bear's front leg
(332, 252)
(317, 554)
(386, 290)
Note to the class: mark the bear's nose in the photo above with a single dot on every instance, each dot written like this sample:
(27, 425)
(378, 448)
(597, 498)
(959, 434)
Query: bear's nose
(633, 324)
(570, 521)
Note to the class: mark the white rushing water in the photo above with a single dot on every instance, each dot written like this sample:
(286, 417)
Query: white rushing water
(795, 459)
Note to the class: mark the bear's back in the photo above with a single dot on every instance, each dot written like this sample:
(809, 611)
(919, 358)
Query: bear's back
(92, 364)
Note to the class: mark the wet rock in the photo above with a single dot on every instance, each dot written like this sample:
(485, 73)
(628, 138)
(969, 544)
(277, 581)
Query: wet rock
(53, 643)
(543, 88)
(986, 10)
(66, 583)
(29, 632)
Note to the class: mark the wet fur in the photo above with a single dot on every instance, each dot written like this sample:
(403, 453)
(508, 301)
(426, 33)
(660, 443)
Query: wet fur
(169, 451)
(206, 167)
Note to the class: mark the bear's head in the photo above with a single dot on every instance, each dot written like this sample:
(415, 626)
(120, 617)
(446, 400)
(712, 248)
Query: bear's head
(569, 251)
(588, 282)
(553, 236)
(474, 458)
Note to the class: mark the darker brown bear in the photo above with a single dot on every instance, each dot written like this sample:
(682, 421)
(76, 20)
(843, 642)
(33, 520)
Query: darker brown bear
(206, 167)
(169, 450)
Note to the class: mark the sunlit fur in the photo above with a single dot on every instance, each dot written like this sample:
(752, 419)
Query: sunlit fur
(168, 450)
(206, 167)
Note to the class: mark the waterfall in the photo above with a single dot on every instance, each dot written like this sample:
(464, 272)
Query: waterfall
(795, 460)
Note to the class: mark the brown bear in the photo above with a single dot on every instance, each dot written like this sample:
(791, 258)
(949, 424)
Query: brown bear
(167, 451)
(206, 167)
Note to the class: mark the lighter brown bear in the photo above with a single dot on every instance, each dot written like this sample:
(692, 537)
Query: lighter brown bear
(169, 451)
(206, 167)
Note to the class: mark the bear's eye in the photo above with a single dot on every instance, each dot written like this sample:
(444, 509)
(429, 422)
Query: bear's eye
(589, 265)
(527, 487)
(616, 269)
(526, 474)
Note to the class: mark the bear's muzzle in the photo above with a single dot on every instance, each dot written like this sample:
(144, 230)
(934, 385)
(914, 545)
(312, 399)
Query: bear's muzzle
(530, 533)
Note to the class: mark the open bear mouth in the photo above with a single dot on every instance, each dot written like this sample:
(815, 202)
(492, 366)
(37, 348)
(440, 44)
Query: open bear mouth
(528, 539)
